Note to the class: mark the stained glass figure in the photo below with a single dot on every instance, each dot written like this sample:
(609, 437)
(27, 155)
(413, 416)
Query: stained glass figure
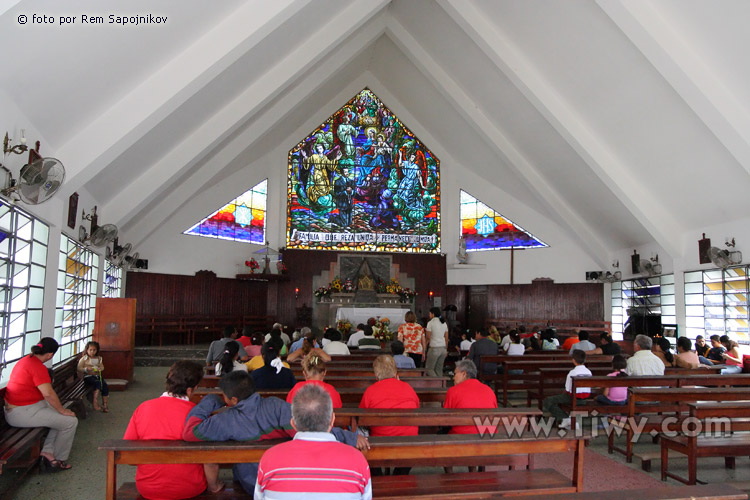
(363, 181)
(242, 219)
(484, 229)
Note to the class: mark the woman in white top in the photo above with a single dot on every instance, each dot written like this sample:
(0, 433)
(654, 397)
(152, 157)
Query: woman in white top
(228, 361)
(437, 340)
(515, 348)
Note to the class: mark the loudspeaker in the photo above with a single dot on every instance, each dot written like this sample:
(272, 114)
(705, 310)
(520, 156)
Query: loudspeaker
(703, 246)
(593, 275)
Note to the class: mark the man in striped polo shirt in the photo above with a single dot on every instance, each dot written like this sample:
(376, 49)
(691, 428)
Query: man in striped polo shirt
(314, 463)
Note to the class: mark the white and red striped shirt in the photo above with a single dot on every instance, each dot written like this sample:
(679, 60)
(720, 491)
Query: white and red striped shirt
(315, 464)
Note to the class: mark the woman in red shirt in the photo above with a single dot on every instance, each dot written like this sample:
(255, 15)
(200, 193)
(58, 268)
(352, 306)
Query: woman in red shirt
(314, 370)
(30, 401)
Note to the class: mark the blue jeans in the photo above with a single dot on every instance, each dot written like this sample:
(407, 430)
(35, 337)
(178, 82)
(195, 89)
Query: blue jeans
(98, 383)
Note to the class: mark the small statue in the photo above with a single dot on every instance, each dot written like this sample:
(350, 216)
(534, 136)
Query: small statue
(462, 257)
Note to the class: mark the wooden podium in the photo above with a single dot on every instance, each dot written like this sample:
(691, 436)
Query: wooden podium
(114, 329)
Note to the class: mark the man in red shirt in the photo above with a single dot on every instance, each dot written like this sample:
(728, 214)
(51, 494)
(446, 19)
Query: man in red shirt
(387, 393)
(164, 418)
(468, 392)
(314, 463)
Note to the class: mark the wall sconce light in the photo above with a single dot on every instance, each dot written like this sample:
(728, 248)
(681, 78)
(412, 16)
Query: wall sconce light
(432, 294)
(18, 148)
(296, 293)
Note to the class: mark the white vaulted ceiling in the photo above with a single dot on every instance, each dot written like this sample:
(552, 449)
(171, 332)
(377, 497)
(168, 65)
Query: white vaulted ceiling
(625, 121)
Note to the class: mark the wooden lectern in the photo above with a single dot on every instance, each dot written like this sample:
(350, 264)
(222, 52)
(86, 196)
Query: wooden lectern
(114, 329)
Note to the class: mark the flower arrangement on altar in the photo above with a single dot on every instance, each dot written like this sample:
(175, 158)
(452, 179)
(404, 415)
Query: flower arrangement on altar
(336, 285)
(344, 326)
(252, 264)
(381, 331)
(407, 294)
(322, 292)
(348, 286)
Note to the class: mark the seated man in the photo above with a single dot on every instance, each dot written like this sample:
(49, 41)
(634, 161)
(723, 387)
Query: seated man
(484, 346)
(468, 392)
(216, 349)
(643, 362)
(314, 463)
(368, 341)
(164, 418)
(403, 362)
(335, 346)
(583, 343)
(354, 338)
(248, 417)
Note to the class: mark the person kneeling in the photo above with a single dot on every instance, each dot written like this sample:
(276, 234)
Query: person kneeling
(314, 462)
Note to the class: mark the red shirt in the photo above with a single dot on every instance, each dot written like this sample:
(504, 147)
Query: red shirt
(25, 379)
(388, 394)
(470, 393)
(569, 343)
(335, 396)
(314, 463)
(164, 418)
(245, 341)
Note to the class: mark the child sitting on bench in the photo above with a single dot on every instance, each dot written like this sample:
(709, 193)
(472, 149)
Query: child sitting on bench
(552, 404)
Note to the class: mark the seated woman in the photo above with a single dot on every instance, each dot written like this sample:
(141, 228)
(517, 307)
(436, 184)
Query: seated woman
(615, 395)
(308, 346)
(273, 375)
(468, 392)
(663, 350)
(732, 356)
(549, 340)
(390, 392)
(403, 362)
(257, 361)
(228, 361)
(314, 371)
(164, 418)
(30, 401)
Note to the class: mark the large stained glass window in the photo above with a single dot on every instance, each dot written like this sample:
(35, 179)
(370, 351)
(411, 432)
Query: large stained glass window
(242, 219)
(484, 229)
(363, 181)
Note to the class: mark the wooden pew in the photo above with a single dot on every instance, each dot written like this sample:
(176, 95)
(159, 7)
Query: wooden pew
(335, 371)
(349, 397)
(399, 451)
(737, 415)
(670, 401)
(550, 381)
(345, 382)
(702, 492)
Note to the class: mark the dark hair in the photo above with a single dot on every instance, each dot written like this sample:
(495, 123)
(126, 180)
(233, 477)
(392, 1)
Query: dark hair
(436, 312)
(182, 376)
(666, 348)
(685, 343)
(715, 338)
(238, 385)
(258, 338)
(515, 337)
(226, 361)
(619, 363)
(699, 337)
(92, 343)
(583, 335)
(397, 347)
(335, 335)
(47, 345)
(579, 356)
(276, 333)
(605, 336)
(270, 351)
(229, 331)
(522, 329)
(247, 331)
(361, 326)
(727, 342)
(481, 331)
(368, 330)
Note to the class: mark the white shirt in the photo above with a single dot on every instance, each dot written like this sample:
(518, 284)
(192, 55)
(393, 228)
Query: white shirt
(505, 342)
(578, 371)
(336, 348)
(466, 344)
(236, 366)
(644, 363)
(354, 339)
(437, 332)
(516, 350)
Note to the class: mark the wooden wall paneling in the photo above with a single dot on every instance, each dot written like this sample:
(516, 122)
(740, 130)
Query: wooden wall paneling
(456, 295)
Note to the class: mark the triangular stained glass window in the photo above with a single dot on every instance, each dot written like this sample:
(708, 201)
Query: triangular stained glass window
(484, 229)
(242, 219)
(362, 181)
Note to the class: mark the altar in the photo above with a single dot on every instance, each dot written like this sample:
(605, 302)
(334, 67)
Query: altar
(357, 315)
